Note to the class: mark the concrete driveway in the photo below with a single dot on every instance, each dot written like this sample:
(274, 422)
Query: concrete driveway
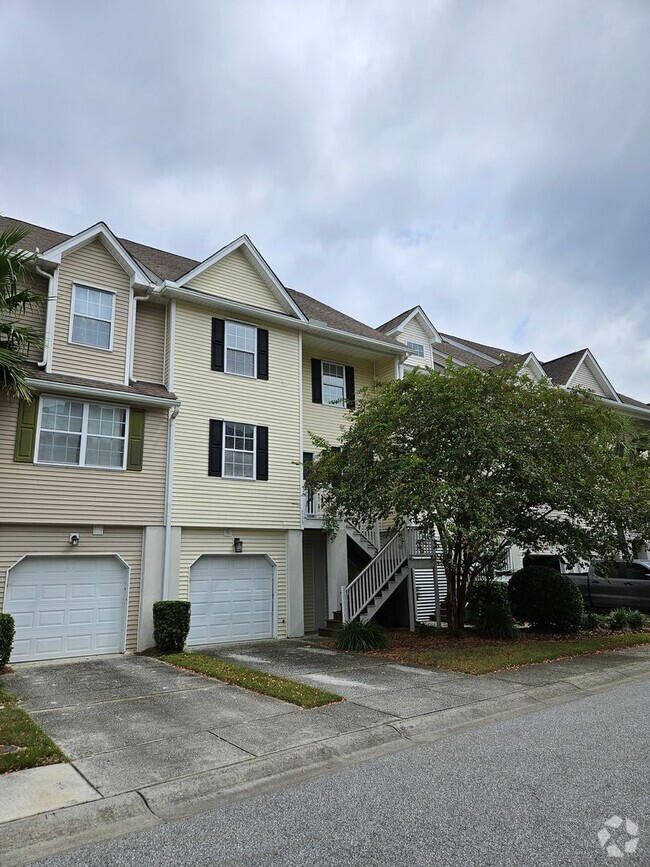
(130, 722)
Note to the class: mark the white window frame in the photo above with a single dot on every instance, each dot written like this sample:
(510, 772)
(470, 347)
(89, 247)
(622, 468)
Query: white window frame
(113, 295)
(341, 403)
(252, 478)
(252, 375)
(83, 433)
(415, 347)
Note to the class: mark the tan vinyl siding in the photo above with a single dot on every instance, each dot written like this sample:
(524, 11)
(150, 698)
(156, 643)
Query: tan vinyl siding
(149, 349)
(81, 494)
(202, 500)
(34, 315)
(198, 541)
(92, 266)
(236, 279)
(584, 378)
(16, 540)
(416, 334)
(323, 419)
(385, 369)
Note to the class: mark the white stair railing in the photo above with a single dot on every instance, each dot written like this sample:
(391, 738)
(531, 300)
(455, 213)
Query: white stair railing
(370, 581)
(370, 533)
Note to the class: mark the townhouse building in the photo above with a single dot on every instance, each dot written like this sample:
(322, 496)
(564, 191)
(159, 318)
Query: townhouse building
(166, 453)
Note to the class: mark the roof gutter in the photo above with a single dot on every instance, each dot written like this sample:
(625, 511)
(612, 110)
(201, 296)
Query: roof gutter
(171, 290)
(89, 391)
(627, 407)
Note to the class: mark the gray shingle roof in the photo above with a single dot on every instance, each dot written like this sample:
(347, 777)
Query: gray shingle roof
(314, 309)
(560, 369)
(147, 389)
(395, 321)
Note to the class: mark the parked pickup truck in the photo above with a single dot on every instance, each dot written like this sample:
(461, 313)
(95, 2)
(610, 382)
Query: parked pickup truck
(615, 585)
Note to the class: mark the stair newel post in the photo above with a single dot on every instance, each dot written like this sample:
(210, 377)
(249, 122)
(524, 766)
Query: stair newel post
(345, 614)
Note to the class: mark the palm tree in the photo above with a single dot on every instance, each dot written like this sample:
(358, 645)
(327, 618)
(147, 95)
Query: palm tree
(15, 298)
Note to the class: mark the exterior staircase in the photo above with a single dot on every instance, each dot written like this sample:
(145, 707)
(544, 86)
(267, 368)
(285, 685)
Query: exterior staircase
(332, 626)
(366, 538)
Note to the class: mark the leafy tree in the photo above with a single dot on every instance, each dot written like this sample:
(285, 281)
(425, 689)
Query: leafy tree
(483, 461)
(15, 297)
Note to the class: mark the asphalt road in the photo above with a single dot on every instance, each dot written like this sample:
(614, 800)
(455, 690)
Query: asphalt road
(535, 790)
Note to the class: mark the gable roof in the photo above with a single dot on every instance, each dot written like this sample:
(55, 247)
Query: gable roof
(316, 310)
(396, 320)
(560, 369)
(399, 323)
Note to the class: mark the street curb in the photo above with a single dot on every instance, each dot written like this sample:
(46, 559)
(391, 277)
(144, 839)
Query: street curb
(25, 840)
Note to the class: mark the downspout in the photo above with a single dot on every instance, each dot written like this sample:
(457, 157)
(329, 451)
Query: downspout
(133, 320)
(52, 286)
(169, 469)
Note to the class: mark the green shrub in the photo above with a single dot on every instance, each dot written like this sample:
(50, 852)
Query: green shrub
(171, 623)
(7, 632)
(489, 610)
(548, 600)
(591, 621)
(355, 635)
(619, 618)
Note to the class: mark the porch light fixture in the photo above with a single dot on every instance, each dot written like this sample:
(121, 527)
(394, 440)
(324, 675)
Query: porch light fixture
(238, 545)
(74, 539)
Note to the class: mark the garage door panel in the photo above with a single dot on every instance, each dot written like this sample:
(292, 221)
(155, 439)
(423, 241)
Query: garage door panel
(232, 599)
(67, 606)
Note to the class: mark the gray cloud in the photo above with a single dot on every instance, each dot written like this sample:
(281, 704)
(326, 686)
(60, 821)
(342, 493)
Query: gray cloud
(489, 161)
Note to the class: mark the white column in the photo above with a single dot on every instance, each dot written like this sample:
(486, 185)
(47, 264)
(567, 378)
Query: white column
(337, 568)
(295, 590)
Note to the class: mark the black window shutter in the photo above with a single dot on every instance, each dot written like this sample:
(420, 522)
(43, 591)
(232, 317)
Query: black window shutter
(316, 381)
(218, 328)
(214, 450)
(262, 353)
(349, 386)
(262, 454)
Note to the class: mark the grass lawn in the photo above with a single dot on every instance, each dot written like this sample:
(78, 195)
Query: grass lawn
(474, 655)
(257, 681)
(18, 729)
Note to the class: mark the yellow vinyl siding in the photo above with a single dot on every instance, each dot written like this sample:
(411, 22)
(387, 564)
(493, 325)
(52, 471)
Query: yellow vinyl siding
(34, 492)
(584, 378)
(416, 334)
(17, 540)
(235, 278)
(92, 266)
(198, 541)
(385, 369)
(149, 349)
(205, 501)
(323, 419)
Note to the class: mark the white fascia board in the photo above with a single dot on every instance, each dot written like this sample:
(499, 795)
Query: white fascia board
(428, 325)
(598, 373)
(532, 362)
(99, 230)
(92, 392)
(171, 289)
(255, 258)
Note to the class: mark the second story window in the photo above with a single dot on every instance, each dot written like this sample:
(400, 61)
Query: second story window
(239, 450)
(81, 434)
(333, 383)
(416, 348)
(241, 348)
(93, 312)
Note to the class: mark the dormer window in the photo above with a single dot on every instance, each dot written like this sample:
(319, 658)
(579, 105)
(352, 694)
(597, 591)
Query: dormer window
(416, 348)
(93, 315)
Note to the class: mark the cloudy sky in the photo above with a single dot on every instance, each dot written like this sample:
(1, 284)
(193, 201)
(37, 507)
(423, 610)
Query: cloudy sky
(488, 160)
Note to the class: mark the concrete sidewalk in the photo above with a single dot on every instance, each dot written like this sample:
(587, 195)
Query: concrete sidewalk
(153, 743)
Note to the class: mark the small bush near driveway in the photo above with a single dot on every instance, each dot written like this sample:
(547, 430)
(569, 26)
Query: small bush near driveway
(546, 599)
(7, 632)
(171, 624)
(489, 610)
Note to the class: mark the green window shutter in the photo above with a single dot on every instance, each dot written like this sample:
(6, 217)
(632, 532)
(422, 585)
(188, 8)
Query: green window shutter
(26, 431)
(135, 448)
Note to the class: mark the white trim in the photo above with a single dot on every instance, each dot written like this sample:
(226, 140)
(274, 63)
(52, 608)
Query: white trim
(50, 311)
(426, 322)
(195, 296)
(343, 404)
(46, 386)
(252, 478)
(113, 245)
(235, 349)
(114, 554)
(172, 345)
(300, 426)
(83, 433)
(532, 362)
(414, 346)
(597, 372)
(255, 259)
(459, 345)
(169, 502)
(275, 589)
(73, 313)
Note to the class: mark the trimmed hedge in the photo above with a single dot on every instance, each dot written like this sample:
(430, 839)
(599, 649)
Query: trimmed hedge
(171, 623)
(548, 600)
(488, 608)
(7, 632)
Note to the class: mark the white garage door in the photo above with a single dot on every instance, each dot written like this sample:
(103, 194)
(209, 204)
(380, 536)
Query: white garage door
(232, 599)
(67, 606)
